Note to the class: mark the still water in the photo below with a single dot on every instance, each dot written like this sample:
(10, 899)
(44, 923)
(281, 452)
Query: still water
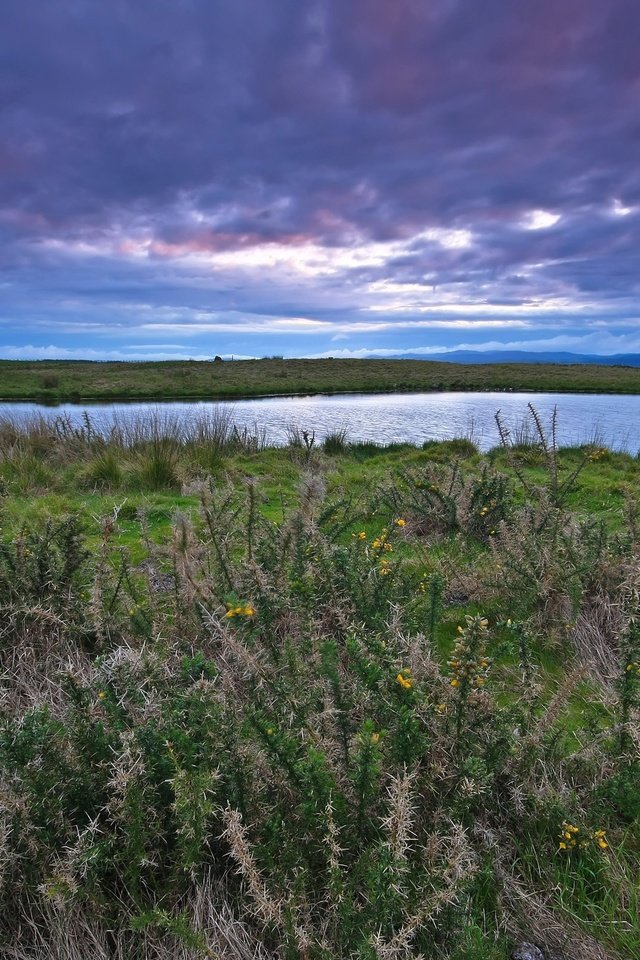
(609, 420)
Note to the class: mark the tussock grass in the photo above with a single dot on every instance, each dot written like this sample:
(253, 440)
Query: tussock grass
(152, 451)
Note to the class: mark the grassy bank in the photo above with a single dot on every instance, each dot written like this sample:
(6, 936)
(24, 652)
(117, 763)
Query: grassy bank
(56, 381)
(333, 702)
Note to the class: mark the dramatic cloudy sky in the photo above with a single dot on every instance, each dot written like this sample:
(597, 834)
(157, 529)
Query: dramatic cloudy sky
(307, 177)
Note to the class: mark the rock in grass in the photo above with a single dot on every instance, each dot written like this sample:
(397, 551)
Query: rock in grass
(527, 951)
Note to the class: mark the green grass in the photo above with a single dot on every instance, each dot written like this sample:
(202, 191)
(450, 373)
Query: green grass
(38, 486)
(58, 380)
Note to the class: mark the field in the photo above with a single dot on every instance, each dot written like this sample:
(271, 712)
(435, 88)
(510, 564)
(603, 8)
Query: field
(55, 381)
(329, 702)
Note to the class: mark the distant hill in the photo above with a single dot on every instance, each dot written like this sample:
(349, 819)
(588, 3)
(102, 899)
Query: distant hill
(523, 356)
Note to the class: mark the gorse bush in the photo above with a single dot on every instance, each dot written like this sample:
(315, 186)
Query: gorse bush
(46, 571)
(540, 445)
(284, 738)
(444, 500)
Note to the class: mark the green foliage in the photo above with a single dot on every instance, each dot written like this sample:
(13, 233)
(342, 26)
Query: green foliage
(46, 568)
(105, 471)
(335, 442)
(26, 473)
(297, 711)
(629, 683)
(445, 500)
(460, 448)
(543, 442)
(621, 792)
(159, 466)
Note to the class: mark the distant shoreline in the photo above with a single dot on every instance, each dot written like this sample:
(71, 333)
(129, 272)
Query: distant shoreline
(52, 382)
(226, 398)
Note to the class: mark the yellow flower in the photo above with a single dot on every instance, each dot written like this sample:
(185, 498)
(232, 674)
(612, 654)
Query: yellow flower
(441, 708)
(602, 843)
(401, 522)
(563, 845)
(455, 682)
(375, 737)
(362, 535)
(404, 682)
(101, 695)
(247, 611)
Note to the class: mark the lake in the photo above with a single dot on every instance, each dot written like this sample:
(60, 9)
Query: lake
(609, 420)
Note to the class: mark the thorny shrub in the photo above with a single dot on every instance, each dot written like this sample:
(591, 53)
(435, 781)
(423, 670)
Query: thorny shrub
(269, 706)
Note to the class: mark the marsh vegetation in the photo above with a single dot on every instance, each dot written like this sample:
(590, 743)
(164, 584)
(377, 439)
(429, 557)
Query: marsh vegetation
(58, 380)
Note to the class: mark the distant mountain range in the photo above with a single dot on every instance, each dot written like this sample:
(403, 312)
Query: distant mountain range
(523, 356)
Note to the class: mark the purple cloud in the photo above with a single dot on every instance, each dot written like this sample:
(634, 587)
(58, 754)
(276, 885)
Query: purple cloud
(382, 162)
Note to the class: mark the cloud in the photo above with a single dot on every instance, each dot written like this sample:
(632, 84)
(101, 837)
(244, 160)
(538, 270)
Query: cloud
(52, 352)
(276, 165)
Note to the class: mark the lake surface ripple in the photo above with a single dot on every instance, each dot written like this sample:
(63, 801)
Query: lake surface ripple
(609, 420)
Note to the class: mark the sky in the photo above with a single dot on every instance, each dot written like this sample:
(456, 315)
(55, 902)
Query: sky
(186, 178)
